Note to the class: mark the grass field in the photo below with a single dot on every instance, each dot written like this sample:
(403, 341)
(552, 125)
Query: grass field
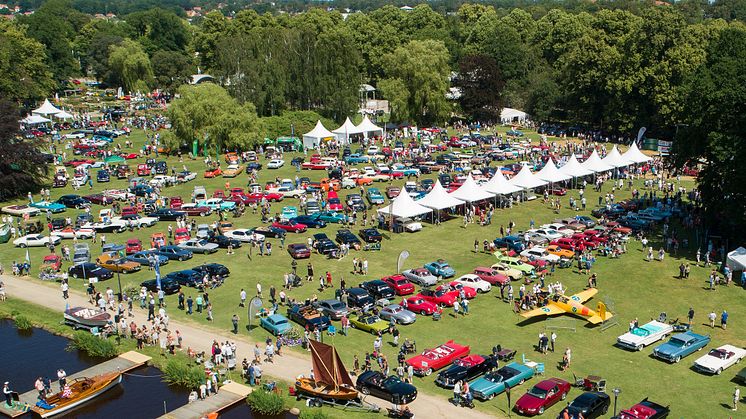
(631, 286)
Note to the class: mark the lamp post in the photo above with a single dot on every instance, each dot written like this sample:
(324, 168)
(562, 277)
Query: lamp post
(616, 392)
(119, 281)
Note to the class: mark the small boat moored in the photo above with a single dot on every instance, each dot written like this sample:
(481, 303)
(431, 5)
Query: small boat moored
(75, 393)
(87, 318)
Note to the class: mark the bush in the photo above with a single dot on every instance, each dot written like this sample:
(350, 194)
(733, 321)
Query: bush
(92, 345)
(313, 413)
(182, 374)
(22, 322)
(265, 403)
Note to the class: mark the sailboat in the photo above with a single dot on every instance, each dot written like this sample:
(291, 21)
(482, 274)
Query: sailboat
(4, 233)
(331, 380)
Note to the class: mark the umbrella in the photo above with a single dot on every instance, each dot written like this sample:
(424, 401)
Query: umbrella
(114, 159)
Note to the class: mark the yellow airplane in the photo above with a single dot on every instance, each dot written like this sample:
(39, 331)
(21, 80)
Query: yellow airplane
(560, 304)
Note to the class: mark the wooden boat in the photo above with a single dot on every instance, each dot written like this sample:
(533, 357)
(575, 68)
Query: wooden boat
(86, 317)
(81, 390)
(331, 380)
(4, 233)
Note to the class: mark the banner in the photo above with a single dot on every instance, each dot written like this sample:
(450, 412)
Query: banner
(157, 268)
(640, 134)
(400, 262)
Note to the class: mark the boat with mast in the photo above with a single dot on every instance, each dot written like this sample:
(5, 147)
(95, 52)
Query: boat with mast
(330, 381)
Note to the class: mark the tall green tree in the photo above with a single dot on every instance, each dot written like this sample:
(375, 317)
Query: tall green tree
(159, 29)
(481, 86)
(130, 66)
(24, 76)
(22, 167)
(171, 69)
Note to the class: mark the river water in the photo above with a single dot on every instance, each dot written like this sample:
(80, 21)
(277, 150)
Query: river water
(24, 356)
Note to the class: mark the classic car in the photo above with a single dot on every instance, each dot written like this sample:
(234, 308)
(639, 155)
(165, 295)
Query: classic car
(275, 164)
(217, 204)
(542, 396)
(719, 359)
(390, 388)
(232, 170)
(368, 323)
(392, 191)
(419, 305)
(491, 275)
(53, 207)
(323, 244)
(440, 268)
(299, 251)
(195, 210)
(308, 220)
(540, 253)
(357, 297)
(288, 212)
(374, 196)
(474, 281)
(515, 263)
(355, 202)
(334, 309)
(21, 210)
(589, 405)
(469, 292)
(331, 217)
(370, 235)
(407, 224)
(144, 257)
(187, 277)
(70, 233)
(399, 284)
(99, 199)
(681, 345)
(466, 368)
(308, 316)
(212, 172)
(277, 324)
(53, 262)
(167, 214)
(88, 270)
(223, 241)
(213, 269)
(494, 383)
(199, 246)
(514, 243)
(378, 289)
(561, 253)
(436, 358)
(442, 297)
(174, 253)
(645, 410)
(116, 264)
(181, 235)
(168, 285)
(345, 236)
(36, 240)
(397, 314)
(73, 201)
(185, 176)
(290, 226)
(245, 235)
(136, 220)
(420, 276)
(642, 336)
(119, 194)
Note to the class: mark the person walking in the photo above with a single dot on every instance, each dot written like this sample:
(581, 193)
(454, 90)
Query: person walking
(243, 298)
(724, 320)
(552, 340)
(712, 316)
(259, 290)
(690, 316)
(65, 290)
(189, 303)
(234, 320)
(736, 398)
(457, 393)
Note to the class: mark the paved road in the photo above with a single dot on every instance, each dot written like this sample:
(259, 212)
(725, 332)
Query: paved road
(200, 338)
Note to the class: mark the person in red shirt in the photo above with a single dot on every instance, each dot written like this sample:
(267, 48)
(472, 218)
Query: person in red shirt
(328, 279)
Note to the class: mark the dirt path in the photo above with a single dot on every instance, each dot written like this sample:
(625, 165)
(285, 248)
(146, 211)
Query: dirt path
(287, 367)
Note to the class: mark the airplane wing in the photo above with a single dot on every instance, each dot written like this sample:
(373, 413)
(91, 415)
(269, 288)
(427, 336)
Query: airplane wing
(584, 296)
(548, 310)
(598, 319)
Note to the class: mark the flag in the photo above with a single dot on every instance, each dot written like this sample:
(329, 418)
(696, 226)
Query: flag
(157, 268)
(28, 258)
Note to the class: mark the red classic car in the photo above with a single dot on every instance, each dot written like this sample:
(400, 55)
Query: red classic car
(214, 172)
(542, 396)
(219, 194)
(588, 241)
(645, 410)
(53, 262)
(133, 246)
(130, 156)
(315, 165)
(181, 235)
(419, 305)
(442, 298)
(333, 202)
(491, 275)
(269, 196)
(299, 251)
(469, 292)
(78, 162)
(596, 235)
(176, 202)
(99, 199)
(434, 359)
(399, 284)
(568, 244)
(618, 228)
(291, 227)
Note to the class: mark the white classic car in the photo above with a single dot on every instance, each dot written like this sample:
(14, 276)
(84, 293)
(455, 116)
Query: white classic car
(719, 359)
(244, 235)
(540, 253)
(473, 281)
(35, 240)
(644, 335)
(70, 233)
(118, 194)
(20, 210)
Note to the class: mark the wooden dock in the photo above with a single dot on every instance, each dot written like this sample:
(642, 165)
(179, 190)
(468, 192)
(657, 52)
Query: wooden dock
(123, 363)
(228, 395)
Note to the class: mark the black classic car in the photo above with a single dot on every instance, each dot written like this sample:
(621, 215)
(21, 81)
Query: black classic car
(168, 285)
(347, 237)
(378, 289)
(323, 244)
(371, 235)
(213, 269)
(388, 388)
(466, 368)
(590, 404)
(167, 214)
(308, 316)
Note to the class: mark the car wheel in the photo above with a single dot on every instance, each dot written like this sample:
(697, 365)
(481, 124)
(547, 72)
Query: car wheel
(75, 276)
(541, 410)
(22, 245)
(481, 291)
(676, 359)
(604, 410)
(423, 313)
(491, 396)
(203, 214)
(442, 305)
(719, 371)
(564, 396)
(638, 348)
(521, 382)
(429, 371)
(738, 360)
(181, 259)
(365, 390)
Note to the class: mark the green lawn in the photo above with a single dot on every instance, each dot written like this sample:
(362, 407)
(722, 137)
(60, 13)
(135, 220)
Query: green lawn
(632, 286)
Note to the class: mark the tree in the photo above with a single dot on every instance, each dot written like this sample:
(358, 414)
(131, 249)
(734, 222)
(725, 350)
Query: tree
(481, 87)
(208, 113)
(421, 67)
(159, 29)
(171, 69)
(22, 166)
(130, 66)
(93, 42)
(24, 77)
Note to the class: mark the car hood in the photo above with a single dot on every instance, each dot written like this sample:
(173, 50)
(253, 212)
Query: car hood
(527, 401)
(403, 389)
(708, 361)
(669, 349)
(485, 386)
(631, 338)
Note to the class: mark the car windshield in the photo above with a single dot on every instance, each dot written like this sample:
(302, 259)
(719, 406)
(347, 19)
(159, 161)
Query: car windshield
(494, 377)
(395, 309)
(279, 322)
(538, 393)
(676, 342)
(337, 305)
(391, 381)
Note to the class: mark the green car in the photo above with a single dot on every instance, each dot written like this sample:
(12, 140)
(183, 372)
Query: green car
(331, 217)
(374, 196)
(368, 323)
(516, 264)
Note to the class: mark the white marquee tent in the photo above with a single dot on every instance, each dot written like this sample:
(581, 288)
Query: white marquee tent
(551, 173)
(63, 115)
(403, 206)
(508, 115)
(438, 198)
(594, 163)
(574, 168)
(737, 259)
(46, 109)
(500, 186)
(34, 119)
(312, 139)
(527, 180)
(471, 192)
(345, 130)
(634, 155)
(615, 159)
(367, 127)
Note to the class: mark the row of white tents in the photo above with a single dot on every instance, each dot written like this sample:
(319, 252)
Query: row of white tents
(404, 206)
(313, 138)
(41, 114)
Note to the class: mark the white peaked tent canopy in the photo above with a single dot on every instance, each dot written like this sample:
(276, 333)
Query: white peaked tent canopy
(46, 109)
(510, 115)
(313, 138)
(404, 206)
(367, 126)
(438, 198)
(737, 259)
(500, 186)
(527, 180)
(634, 155)
(615, 159)
(574, 168)
(551, 173)
(63, 115)
(345, 130)
(34, 119)
(471, 192)
(594, 163)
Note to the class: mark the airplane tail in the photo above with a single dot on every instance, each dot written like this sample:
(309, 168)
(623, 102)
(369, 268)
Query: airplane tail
(602, 315)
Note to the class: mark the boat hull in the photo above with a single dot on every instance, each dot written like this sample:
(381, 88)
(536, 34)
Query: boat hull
(57, 411)
(324, 391)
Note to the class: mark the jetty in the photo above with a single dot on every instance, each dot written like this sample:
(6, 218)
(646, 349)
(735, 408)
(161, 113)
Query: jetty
(123, 363)
(228, 395)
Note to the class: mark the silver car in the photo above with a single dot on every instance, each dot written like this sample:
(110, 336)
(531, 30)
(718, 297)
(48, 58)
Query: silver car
(420, 276)
(397, 314)
(199, 246)
(334, 309)
(203, 231)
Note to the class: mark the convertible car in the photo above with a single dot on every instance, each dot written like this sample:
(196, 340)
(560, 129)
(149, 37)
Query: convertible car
(434, 359)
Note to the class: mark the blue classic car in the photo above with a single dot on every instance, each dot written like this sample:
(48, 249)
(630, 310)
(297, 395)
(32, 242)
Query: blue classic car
(217, 204)
(681, 345)
(374, 196)
(103, 175)
(277, 324)
(440, 268)
(173, 253)
(492, 384)
(53, 207)
(142, 258)
(331, 217)
(356, 158)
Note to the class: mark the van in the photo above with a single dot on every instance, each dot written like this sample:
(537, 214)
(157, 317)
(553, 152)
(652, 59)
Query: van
(199, 193)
